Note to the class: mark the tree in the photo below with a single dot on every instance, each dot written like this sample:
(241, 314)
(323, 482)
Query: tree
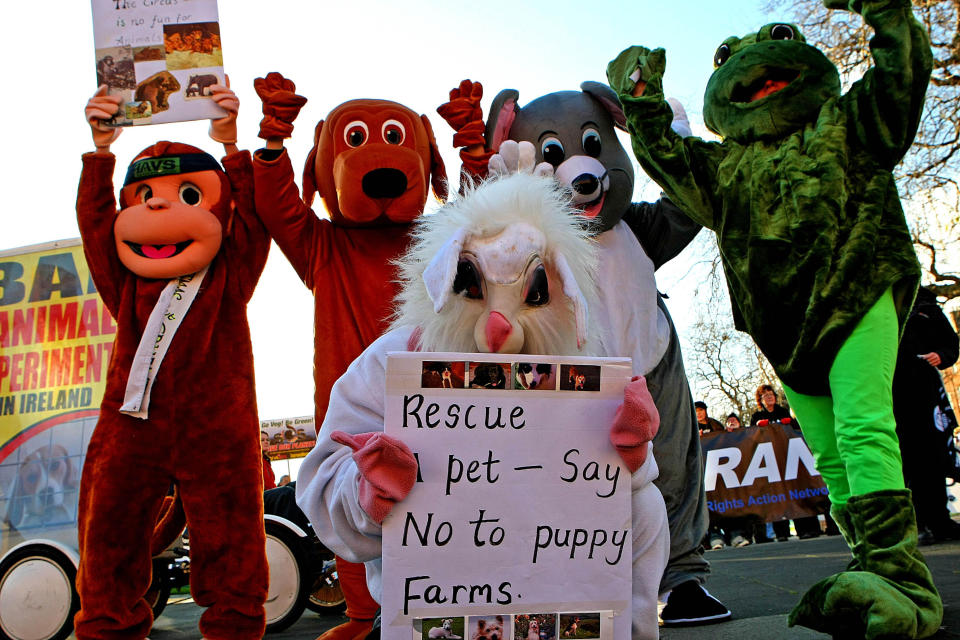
(928, 176)
(725, 365)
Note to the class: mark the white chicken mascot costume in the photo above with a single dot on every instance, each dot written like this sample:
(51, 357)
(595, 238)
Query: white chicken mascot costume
(506, 268)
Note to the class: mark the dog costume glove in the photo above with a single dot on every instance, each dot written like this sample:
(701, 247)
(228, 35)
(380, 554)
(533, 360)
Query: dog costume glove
(388, 470)
(635, 423)
(638, 68)
(464, 114)
(102, 107)
(280, 105)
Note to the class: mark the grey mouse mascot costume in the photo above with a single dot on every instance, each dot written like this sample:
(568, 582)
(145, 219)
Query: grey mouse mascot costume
(573, 138)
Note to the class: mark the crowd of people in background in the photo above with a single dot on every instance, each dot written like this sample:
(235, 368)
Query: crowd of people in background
(925, 426)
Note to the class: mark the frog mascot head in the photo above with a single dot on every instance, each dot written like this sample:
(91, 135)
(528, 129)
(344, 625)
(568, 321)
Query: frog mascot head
(766, 84)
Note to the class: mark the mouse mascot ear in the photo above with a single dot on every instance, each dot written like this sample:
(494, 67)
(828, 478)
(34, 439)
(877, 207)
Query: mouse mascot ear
(503, 111)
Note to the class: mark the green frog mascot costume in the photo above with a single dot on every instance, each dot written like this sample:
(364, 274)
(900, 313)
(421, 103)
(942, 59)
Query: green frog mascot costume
(820, 269)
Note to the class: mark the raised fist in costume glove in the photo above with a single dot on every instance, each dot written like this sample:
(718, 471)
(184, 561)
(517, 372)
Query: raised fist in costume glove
(388, 470)
(464, 115)
(635, 423)
(280, 105)
(100, 107)
(638, 71)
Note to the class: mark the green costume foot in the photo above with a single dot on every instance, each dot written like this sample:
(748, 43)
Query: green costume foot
(890, 593)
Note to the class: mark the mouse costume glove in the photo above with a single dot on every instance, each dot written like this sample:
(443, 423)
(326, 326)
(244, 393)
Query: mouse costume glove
(280, 105)
(388, 470)
(638, 66)
(892, 594)
(102, 107)
(635, 423)
(464, 114)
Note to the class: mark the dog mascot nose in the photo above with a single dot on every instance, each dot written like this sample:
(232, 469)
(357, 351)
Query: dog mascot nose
(498, 329)
(384, 183)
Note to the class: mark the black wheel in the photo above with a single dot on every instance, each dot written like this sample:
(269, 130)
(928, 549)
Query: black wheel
(38, 594)
(159, 591)
(287, 595)
(325, 596)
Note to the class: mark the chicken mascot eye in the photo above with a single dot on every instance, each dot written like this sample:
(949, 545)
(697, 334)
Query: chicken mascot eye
(539, 292)
(190, 194)
(356, 133)
(467, 280)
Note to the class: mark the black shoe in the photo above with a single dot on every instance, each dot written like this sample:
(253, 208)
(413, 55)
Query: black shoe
(926, 538)
(782, 538)
(946, 529)
(690, 604)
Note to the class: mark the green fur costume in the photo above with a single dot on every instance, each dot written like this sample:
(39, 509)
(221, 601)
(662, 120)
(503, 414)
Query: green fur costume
(819, 264)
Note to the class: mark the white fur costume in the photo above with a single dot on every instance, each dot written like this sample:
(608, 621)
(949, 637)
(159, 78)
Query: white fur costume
(327, 487)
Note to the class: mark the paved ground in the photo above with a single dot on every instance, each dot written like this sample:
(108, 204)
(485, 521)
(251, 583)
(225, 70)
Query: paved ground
(760, 584)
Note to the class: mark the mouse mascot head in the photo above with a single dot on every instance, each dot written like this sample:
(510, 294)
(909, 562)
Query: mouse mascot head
(574, 134)
(175, 210)
(373, 162)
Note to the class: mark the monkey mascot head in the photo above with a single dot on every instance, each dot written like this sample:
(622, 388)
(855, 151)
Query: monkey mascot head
(373, 162)
(175, 210)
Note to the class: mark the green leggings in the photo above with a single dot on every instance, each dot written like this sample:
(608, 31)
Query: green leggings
(851, 432)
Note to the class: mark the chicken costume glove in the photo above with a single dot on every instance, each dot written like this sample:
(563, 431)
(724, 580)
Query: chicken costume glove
(175, 267)
(527, 290)
(802, 198)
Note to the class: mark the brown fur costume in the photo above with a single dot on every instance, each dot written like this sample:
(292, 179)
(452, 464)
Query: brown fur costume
(201, 436)
(373, 162)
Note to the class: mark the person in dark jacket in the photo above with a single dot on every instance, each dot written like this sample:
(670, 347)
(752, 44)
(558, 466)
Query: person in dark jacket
(929, 343)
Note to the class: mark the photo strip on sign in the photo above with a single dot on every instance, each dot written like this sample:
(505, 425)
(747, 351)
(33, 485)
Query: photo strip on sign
(519, 489)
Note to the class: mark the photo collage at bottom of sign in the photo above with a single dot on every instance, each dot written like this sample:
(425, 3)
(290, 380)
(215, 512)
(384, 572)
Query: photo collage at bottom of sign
(518, 376)
(525, 626)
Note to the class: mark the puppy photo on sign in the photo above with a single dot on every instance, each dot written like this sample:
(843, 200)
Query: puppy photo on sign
(532, 376)
(442, 629)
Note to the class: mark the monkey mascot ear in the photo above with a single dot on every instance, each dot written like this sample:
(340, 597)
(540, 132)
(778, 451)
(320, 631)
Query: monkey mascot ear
(175, 206)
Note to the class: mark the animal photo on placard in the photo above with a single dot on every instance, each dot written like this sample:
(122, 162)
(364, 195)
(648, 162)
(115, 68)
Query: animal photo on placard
(198, 85)
(489, 628)
(489, 375)
(442, 375)
(579, 625)
(579, 378)
(192, 46)
(535, 376)
(157, 90)
(442, 629)
(535, 626)
(44, 489)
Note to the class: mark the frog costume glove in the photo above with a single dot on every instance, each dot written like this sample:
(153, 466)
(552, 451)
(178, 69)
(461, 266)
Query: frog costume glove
(638, 71)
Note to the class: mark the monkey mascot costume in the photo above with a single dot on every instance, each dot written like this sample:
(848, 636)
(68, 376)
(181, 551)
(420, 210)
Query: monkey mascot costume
(802, 198)
(507, 268)
(176, 267)
(571, 135)
(373, 163)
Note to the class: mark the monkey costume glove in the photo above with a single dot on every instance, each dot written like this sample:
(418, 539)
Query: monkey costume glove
(280, 105)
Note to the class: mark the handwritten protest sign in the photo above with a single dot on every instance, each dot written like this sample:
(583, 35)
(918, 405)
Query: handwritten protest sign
(521, 512)
(161, 57)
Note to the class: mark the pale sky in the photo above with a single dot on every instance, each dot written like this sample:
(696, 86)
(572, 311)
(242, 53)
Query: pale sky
(412, 52)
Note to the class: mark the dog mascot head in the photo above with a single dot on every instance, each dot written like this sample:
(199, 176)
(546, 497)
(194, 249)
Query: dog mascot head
(373, 162)
(508, 270)
(175, 210)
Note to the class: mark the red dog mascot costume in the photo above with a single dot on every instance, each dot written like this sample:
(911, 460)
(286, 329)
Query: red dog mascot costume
(372, 162)
(175, 267)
